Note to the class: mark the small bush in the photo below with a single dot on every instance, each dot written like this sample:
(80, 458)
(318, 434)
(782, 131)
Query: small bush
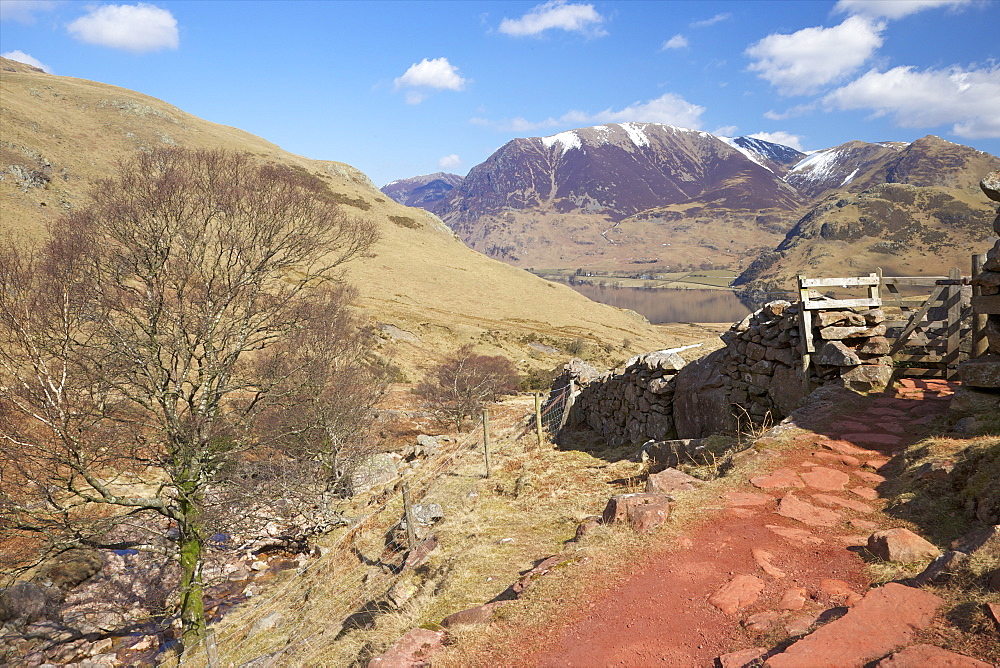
(458, 388)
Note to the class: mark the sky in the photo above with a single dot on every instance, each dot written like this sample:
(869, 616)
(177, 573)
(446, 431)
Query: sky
(400, 89)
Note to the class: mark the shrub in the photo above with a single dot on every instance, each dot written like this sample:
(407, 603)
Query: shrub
(457, 388)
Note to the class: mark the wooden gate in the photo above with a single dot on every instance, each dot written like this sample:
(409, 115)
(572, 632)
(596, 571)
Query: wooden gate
(925, 347)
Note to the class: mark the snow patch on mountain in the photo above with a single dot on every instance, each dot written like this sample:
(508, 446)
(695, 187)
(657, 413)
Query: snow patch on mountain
(568, 140)
(817, 165)
(754, 157)
(636, 132)
(850, 177)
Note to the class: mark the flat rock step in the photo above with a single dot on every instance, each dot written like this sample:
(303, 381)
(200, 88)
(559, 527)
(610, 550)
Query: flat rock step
(886, 618)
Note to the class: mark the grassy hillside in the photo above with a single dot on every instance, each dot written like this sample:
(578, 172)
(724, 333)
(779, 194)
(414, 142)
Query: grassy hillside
(58, 135)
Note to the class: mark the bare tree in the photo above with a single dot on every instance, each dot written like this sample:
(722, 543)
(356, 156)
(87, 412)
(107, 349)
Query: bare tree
(458, 387)
(147, 346)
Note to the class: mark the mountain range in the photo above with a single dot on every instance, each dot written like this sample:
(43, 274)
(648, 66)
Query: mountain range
(615, 196)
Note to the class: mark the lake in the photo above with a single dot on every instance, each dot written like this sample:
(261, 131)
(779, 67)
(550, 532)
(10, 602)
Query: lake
(660, 306)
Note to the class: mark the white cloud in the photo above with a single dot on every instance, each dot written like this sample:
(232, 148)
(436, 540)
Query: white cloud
(434, 74)
(22, 57)
(449, 161)
(804, 61)
(966, 99)
(137, 28)
(791, 112)
(893, 9)
(718, 18)
(675, 42)
(780, 137)
(669, 108)
(726, 131)
(23, 11)
(555, 15)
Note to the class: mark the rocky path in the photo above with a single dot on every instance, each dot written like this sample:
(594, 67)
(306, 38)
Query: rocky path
(779, 557)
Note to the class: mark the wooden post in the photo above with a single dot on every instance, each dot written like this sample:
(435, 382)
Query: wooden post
(538, 418)
(411, 528)
(570, 400)
(211, 649)
(954, 303)
(805, 336)
(486, 439)
(979, 342)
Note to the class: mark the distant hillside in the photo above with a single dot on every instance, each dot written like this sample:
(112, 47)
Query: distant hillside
(426, 192)
(593, 198)
(429, 292)
(647, 197)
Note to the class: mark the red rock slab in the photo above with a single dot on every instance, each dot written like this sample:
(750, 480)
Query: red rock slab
(868, 476)
(864, 525)
(763, 559)
(993, 612)
(831, 500)
(762, 621)
(412, 649)
(744, 658)
(865, 493)
(845, 448)
(778, 479)
(738, 593)
(826, 479)
(883, 411)
(883, 620)
(835, 588)
(797, 535)
(892, 426)
(799, 625)
(925, 656)
(793, 599)
(747, 499)
(876, 462)
(849, 426)
(795, 508)
(876, 440)
(846, 460)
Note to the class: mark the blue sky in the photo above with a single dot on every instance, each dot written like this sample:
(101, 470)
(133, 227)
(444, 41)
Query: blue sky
(399, 89)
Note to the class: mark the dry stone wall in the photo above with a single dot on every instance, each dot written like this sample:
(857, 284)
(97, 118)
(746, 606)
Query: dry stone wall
(756, 377)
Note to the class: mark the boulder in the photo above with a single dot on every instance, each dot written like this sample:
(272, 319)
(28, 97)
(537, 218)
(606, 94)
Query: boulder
(901, 545)
(835, 353)
(70, 568)
(413, 650)
(25, 603)
(373, 470)
(671, 480)
(867, 377)
(701, 399)
(644, 511)
(477, 615)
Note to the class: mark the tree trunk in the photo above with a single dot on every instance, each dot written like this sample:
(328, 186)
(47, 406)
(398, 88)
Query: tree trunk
(192, 587)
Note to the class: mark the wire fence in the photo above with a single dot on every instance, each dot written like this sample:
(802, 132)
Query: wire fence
(346, 587)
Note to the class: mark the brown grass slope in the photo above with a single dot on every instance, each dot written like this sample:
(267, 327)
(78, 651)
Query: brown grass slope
(58, 135)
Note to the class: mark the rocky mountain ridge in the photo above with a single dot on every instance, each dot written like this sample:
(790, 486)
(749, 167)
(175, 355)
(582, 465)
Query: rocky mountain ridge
(614, 195)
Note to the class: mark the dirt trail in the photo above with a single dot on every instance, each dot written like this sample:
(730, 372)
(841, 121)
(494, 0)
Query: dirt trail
(777, 554)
